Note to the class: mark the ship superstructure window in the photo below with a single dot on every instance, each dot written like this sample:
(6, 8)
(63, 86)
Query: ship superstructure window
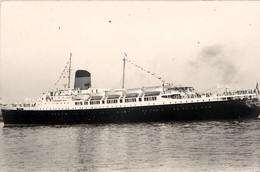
(111, 101)
(140, 99)
(85, 103)
(173, 96)
(130, 100)
(121, 101)
(94, 102)
(78, 103)
(150, 98)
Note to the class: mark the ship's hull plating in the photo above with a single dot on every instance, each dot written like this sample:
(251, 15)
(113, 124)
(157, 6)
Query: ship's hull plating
(223, 110)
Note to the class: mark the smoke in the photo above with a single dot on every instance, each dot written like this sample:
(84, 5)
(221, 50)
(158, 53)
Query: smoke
(216, 62)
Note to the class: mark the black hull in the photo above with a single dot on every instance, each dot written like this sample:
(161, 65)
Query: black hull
(224, 110)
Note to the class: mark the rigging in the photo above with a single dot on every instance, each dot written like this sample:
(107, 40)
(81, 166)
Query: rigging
(141, 68)
(66, 69)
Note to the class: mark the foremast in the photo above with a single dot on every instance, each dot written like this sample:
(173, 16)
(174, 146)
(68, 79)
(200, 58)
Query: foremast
(69, 71)
(123, 84)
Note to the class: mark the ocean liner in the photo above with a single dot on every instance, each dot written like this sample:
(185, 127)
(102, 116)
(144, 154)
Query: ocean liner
(83, 104)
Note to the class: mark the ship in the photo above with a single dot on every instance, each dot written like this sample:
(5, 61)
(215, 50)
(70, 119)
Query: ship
(83, 104)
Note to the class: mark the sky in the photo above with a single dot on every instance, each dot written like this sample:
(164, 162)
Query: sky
(190, 43)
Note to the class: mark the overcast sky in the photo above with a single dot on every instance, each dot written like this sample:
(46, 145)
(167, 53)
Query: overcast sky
(198, 44)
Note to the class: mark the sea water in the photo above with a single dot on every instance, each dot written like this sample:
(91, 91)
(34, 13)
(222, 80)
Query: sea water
(176, 146)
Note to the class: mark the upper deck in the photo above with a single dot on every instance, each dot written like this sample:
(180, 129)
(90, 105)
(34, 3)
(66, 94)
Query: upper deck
(105, 98)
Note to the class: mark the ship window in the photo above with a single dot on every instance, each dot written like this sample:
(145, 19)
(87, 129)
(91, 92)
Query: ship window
(111, 101)
(92, 102)
(150, 98)
(103, 102)
(121, 101)
(140, 99)
(130, 100)
(78, 103)
(85, 103)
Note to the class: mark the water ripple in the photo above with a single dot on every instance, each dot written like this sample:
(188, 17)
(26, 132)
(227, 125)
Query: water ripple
(176, 146)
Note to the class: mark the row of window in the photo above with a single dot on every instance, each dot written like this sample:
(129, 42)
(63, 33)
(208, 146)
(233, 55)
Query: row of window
(94, 102)
(111, 101)
(146, 110)
(78, 103)
(172, 96)
(150, 98)
(131, 100)
(57, 103)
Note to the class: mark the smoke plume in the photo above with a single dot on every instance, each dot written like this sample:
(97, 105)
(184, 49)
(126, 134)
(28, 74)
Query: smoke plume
(216, 62)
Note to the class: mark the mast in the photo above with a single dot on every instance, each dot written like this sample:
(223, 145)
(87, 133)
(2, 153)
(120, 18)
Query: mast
(123, 85)
(69, 70)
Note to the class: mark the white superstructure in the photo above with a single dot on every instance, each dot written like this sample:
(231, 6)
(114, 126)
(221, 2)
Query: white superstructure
(94, 98)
